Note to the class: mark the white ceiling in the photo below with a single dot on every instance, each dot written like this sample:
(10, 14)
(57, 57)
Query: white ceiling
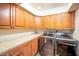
(46, 6)
(43, 9)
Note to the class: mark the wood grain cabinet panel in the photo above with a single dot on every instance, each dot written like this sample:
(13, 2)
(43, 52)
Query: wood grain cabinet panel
(41, 43)
(67, 21)
(44, 22)
(14, 16)
(52, 21)
(59, 21)
(5, 14)
(73, 21)
(27, 50)
(19, 21)
(32, 21)
(38, 22)
(40, 25)
(11, 53)
(27, 21)
(48, 22)
(33, 17)
(34, 46)
(18, 54)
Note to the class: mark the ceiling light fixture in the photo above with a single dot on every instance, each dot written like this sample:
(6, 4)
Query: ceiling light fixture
(39, 7)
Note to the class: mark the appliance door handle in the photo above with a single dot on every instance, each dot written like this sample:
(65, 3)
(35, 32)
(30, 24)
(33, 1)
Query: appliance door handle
(68, 44)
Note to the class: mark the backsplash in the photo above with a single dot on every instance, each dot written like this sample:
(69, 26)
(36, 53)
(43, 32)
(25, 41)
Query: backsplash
(15, 36)
(12, 31)
(9, 34)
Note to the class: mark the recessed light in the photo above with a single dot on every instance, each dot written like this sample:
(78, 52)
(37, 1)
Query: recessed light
(39, 7)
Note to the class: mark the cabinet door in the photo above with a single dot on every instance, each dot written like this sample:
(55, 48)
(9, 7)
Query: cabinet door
(52, 22)
(27, 50)
(5, 20)
(19, 21)
(67, 20)
(18, 54)
(38, 22)
(32, 21)
(27, 21)
(34, 46)
(49, 22)
(41, 43)
(59, 21)
(42, 22)
(45, 22)
(73, 20)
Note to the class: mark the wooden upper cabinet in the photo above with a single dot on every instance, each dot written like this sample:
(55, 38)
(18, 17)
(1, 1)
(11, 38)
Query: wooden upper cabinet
(32, 21)
(68, 20)
(73, 20)
(65, 21)
(58, 21)
(14, 16)
(48, 22)
(52, 21)
(27, 21)
(5, 14)
(19, 17)
(37, 22)
(44, 21)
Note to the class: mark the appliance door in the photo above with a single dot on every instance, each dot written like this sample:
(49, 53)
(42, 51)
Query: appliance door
(41, 43)
(66, 49)
(48, 49)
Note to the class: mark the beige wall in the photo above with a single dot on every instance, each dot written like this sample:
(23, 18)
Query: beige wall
(76, 31)
(12, 31)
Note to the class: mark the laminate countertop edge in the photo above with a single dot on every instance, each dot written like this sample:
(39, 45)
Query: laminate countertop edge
(10, 44)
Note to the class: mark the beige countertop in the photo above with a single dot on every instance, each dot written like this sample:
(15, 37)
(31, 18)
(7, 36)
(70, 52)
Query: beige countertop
(6, 45)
